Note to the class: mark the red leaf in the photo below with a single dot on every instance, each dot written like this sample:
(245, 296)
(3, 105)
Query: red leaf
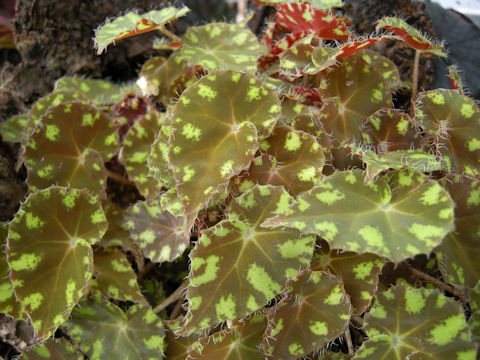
(306, 18)
(355, 46)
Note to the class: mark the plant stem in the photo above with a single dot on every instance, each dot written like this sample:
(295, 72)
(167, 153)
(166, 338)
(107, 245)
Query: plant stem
(438, 283)
(169, 34)
(348, 337)
(175, 296)
(416, 65)
(241, 10)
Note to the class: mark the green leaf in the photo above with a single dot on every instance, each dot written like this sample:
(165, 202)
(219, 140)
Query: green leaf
(136, 149)
(241, 340)
(158, 160)
(315, 312)
(157, 75)
(359, 273)
(236, 266)
(68, 147)
(293, 159)
(353, 91)
(8, 303)
(384, 66)
(397, 217)
(115, 276)
(221, 46)
(410, 35)
(101, 92)
(408, 323)
(12, 130)
(43, 105)
(55, 349)
(178, 346)
(104, 331)
(459, 252)
(390, 130)
(240, 109)
(159, 234)
(453, 120)
(132, 24)
(116, 235)
(49, 252)
(399, 159)
(296, 61)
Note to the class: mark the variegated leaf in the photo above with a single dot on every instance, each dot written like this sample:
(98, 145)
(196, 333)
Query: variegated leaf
(399, 216)
(408, 323)
(218, 120)
(236, 266)
(49, 251)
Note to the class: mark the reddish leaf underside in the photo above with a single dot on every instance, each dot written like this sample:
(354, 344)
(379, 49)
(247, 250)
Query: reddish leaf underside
(132, 24)
(410, 35)
(306, 18)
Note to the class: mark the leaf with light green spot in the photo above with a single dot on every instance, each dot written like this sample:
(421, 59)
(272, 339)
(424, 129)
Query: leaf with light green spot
(132, 24)
(397, 216)
(55, 349)
(319, 4)
(409, 323)
(116, 235)
(172, 203)
(159, 234)
(459, 252)
(12, 130)
(104, 332)
(410, 35)
(297, 61)
(453, 121)
(456, 81)
(315, 311)
(324, 58)
(136, 149)
(359, 273)
(293, 159)
(236, 266)
(70, 148)
(8, 303)
(115, 276)
(157, 75)
(101, 92)
(53, 99)
(385, 66)
(354, 91)
(399, 159)
(178, 346)
(240, 110)
(390, 130)
(241, 340)
(157, 160)
(303, 17)
(221, 46)
(49, 251)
